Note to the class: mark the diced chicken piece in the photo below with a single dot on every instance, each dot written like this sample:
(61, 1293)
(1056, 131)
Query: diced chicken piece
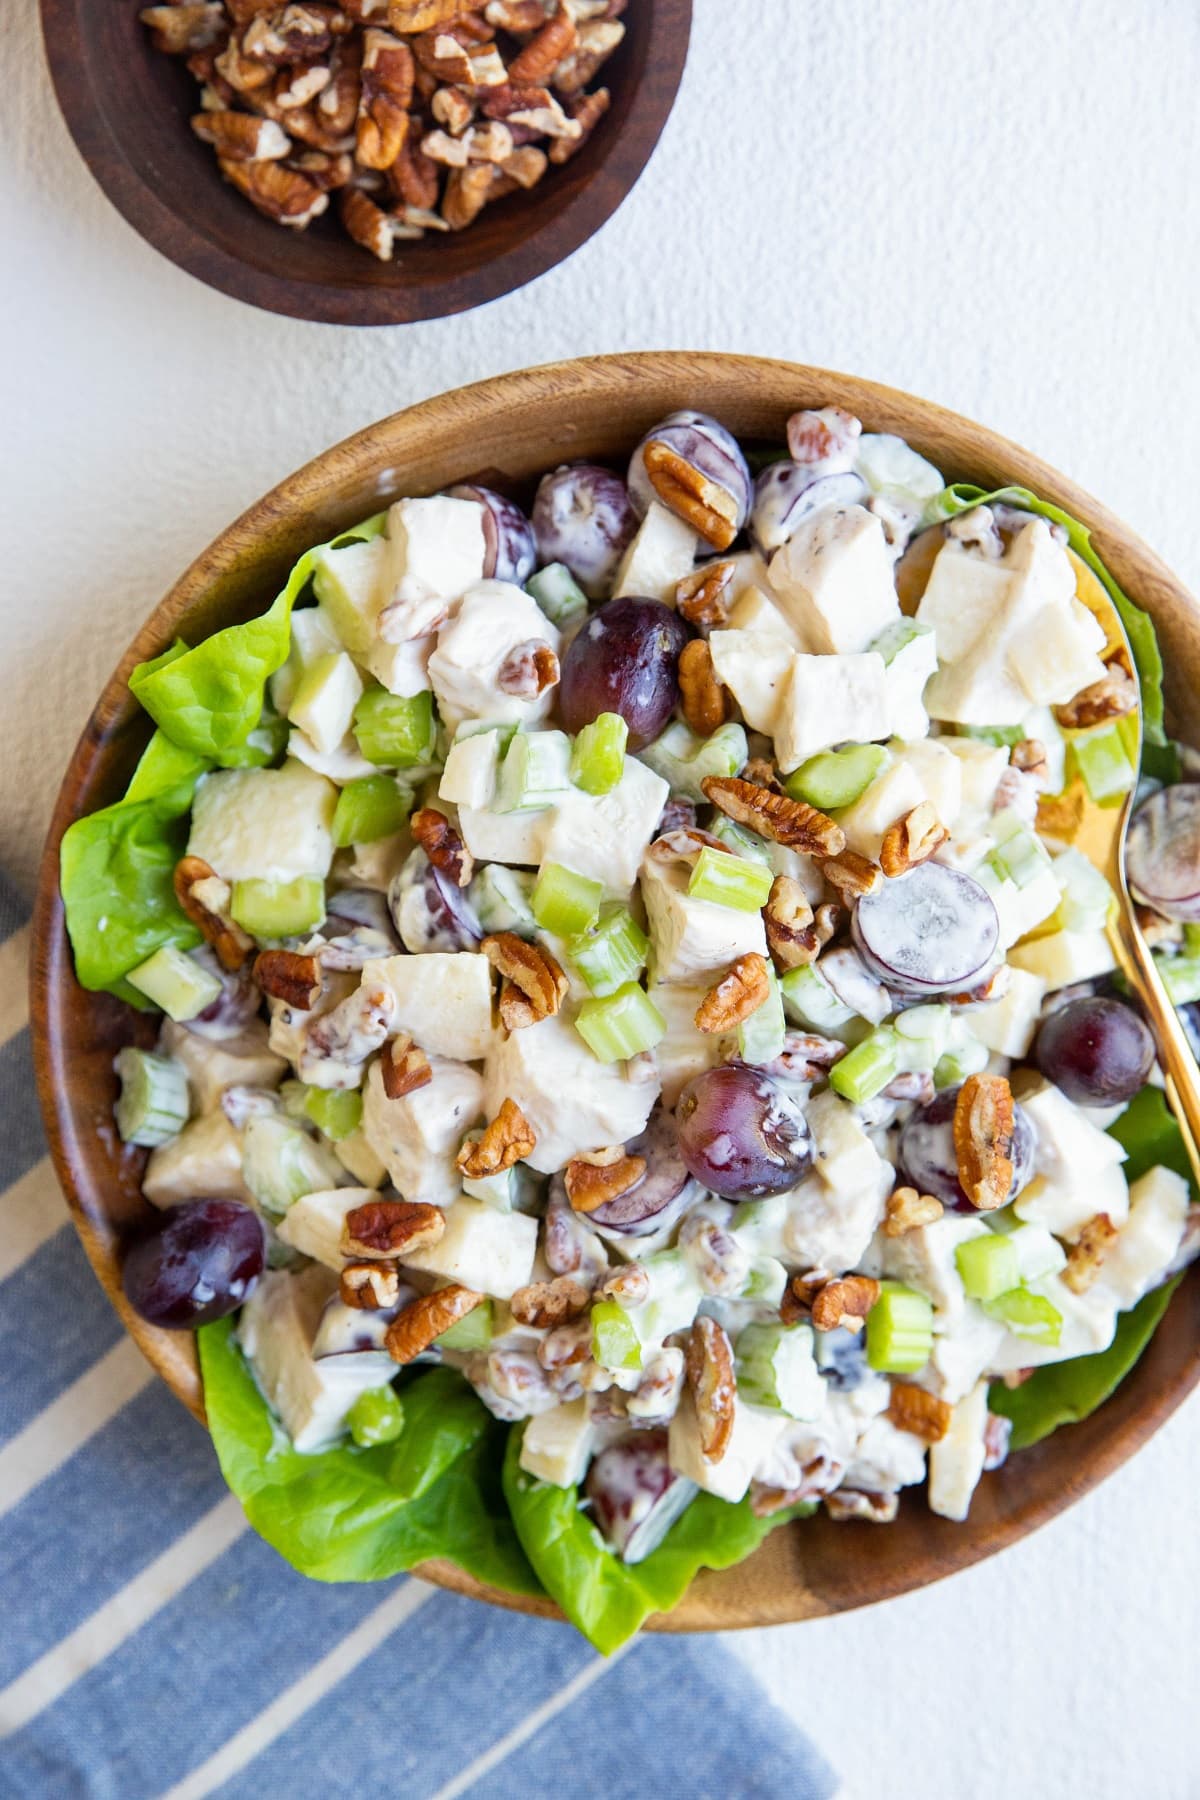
(264, 824)
(604, 837)
(1008, 1025)
(356, 1155)
(514, 837)
(214, 1064)
(443, 1000)
(483, 667)
(376, 865)
(347, 582)
(940, 773)
(886, 1459)
(483, 1249)
(203, 1162)
(661, 554)
(962, 1354)
(888, 798)
(325, 698)
(982, 768)
(755, 666)
(558, 1445)
(830, 700)
(417, 1137)
(1062, 958)
(754, 611)
(434, 551)
(402, 669)
(1151, 1235)
(751, 1443)
(846, 1159)
(277, 1326)
(693, 941)
(684, 1051)
(834, 580)
(956, 1461)
(313, 1224)
(469, 777)
(314, 635)
(906, 672)
(1078, 1167)
(573, 1102)
(1019, 909)
(830, 1228)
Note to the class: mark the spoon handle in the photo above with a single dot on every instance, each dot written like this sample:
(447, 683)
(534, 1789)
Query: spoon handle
(1175, 1054)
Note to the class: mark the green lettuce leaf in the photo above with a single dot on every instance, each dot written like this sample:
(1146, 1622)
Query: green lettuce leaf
(961, 496)
(1148, 1134)
(349, 1514)
(208, 700)
(604, 1598)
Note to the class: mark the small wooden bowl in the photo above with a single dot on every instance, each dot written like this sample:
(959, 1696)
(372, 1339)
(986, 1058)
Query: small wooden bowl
(127, 106)
(507, 431)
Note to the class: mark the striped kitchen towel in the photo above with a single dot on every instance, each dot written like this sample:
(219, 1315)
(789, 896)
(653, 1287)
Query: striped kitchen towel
(154, 1646)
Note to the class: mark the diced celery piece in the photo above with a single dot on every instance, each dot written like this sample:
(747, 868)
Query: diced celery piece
(964, 1055)
(1028, 1315)
(598, 754)
(1181, 976)
(923, 1033)
(612, 952)
(176, 982)
(620, 1025)
(684, 760)
(776, 1368)
(835, 778)
(766, 1282)
(729, 880)
(615, 1342)
(373, 807)
(899, 1330)
(505, 729)
(1038, 1254)
(535, 773)
(761, 1035)
(559, 595)
(1086, 896)
(740, 841)
(279, 909)
(1019, 853)
(501, 898)
(987, 1266)
(866, 1070)
(377, 1417)
(153, 1105)
(809, 1000)
(281, 1162)
(1101, 758)
(497, 1191)
(335, 1111)
(293, 1096)
(472, 1332)
(565, 902)
(896, 637)
(395, 731)
(1002, 736)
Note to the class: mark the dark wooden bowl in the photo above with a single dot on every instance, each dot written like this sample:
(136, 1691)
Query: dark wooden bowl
(127, 106)
(507, 431)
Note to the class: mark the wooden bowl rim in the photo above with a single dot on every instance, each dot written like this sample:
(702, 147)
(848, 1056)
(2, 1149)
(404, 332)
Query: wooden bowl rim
(711, 1602)
(175, 236)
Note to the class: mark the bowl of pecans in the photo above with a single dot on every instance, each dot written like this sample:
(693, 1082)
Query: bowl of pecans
(373, 162)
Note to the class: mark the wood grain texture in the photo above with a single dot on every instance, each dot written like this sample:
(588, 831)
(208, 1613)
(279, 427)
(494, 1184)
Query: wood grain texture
(127, 107)
(507, 431)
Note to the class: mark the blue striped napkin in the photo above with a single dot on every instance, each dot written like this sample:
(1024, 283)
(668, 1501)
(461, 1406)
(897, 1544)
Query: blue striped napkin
(154, 1646)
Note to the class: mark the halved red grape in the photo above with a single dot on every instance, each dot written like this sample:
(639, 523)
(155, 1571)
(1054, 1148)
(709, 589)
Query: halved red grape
(742, 1134)
(583, 517)
(636, 1496)
(1163, 853)
(510, 550)
(787, 492)
(927, 1156)
(1097, 1051)
(198, 1265)
(430, 910)
(666, 1181)
(625, 660)
(932, 930)
(703, 442)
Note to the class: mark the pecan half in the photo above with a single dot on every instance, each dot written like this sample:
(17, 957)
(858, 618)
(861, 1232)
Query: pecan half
(241, 136)
(413, 177)
(467, 193)
(593, 1181)
(586, 111)
(792, 934)
(386, 94)
(442, 844)
(367, 223)
(523, 169)
(205, 898)
(289, 976)
(850, 1503)
(505, 1140)
(736, 995)
(532, 667)
(704, 597)
(566, 1346)
(983, 1140)
(790, 822)
(281, 193)
(908, 1210)
(1085, 1257)
(845, 1303)
(704, 702)
(382, 1229)
(852, 875)
(414, 1329)
(712, 1384)
(546, 1304)
(534, 986)
(597, 40)
(1109, 698)
(914, 1409)
(544, 51)
(405, 1068)
(912, 840)
(710, 509)
(371, 1286)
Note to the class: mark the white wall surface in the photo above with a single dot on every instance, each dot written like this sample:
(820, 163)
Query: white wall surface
(990, 204)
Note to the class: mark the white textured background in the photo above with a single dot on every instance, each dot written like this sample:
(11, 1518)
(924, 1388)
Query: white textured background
(990, 204)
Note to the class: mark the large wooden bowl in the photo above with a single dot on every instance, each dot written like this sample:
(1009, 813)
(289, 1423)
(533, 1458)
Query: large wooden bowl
(127, 107)
(509, 430)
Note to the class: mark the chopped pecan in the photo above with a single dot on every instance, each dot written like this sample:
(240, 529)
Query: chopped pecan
(628, 1286)
(712, 1384)
(910, 1085)
(505, 1140)
(1114, 695)
(852, 1503)
(845, 1303)
(243, 74)
(763, 773)
(292, 34)
(299, 85)
(530, 668)
(442, 844)
(405, 1068)
(414, 178)
(705, 703)
(737, 994)
(790, 822)
(281, 193)
(566, 1346)
(710, 509)
(518, 17)
(983, 1140)
(539, 58)
(703, 598)
(338, 105)
(596, 42)
(852, 875)
(445, 54)
(367, 223)
(534, 986)
(908, 1210)
(241, 137)
(289, 976)
(805, 1056)
(523, 169)
(453, 109)
(586, 110)
(179, 30)
(387, 87)
(793, 935)
(592, 1181)
(383, 1229)
(911, 840)
(914, 1409)
(421, 15)
(414, 1329)
(546, 1304)
(1086, 1255)
(468, 191)
(349, 1033)
(1157, 931)
(1029, 756)
(371, 1286)
(205, 898)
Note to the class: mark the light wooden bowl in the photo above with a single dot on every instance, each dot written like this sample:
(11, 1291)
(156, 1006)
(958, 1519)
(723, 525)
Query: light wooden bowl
(507, 431)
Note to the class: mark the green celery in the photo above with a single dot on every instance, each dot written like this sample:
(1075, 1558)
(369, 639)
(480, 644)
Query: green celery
(335, 1111)
(866, 1070)
(395, 731)
(684, 760)
(729, 880)
(501, 898)
(598, 754)
(564, 902)
(615, 1342)
(621, 1024)
(987, 1266)
(809, 1000)
(899, 1330)
(176, 982)
(836, 778)
(372, 807)
(472, 1332)
(559, 595)
(153, 1103)
(1003, 737)
(776, 1369)
(611, 952)
(1028, 1315)
(1100, 758)
(1180, 974)
(740, 842)
(279, 909)
(923, 1034)
(534, 774)
(761, 1035)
